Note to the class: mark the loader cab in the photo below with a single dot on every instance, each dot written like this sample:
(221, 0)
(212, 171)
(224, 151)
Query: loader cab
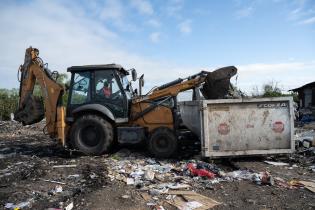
(103, 89)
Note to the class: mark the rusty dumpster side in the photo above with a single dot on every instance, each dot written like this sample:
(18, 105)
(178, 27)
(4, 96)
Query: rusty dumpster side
(240, 127)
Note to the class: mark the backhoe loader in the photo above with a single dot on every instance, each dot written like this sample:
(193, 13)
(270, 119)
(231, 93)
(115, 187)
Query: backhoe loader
(102, 107)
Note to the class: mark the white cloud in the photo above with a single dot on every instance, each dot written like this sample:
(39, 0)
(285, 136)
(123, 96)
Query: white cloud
(153, 23)
(308, 21)
(174, 7)
(143, 6)
(288, 75)
(185, 27)
(114, 12)
(155, 37)
(245, 12)
(65, 38)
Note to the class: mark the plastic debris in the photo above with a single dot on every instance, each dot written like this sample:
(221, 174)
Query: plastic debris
(199, 172)
(149, 175)
(73, 176)
(130, 181)
(240, 175)
(125, 196)
(158, 208)
(58, 189)
(69, 206)
(64, 166)
(18, 206)
(192, 205)
(52, 181)
(276, 163)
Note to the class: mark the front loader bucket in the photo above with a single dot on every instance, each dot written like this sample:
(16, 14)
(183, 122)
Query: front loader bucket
(217, 83)
(31, 112)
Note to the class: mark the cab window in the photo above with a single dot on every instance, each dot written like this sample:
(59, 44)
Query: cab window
(108, 92)
(80, 88)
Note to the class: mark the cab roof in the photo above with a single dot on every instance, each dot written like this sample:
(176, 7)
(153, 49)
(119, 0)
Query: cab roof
(112, 66)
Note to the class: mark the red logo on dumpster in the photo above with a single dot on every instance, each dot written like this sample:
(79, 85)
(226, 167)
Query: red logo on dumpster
(224, 129)
(278, 127)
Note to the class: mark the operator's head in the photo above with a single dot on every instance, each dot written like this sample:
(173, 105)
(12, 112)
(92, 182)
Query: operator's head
(106, 84)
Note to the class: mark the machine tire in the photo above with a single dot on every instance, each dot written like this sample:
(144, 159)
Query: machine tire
(162, 143)
(92, 135)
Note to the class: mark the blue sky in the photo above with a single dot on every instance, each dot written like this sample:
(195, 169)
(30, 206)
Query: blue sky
(267, 40)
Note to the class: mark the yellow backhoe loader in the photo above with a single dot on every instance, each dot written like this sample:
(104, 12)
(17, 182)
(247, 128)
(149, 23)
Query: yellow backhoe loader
(103, 108)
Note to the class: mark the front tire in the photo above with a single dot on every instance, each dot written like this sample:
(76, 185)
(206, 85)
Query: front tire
(92, 135)
(162, 143)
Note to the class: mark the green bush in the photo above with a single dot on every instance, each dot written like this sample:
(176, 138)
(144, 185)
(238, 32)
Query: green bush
(8, 102)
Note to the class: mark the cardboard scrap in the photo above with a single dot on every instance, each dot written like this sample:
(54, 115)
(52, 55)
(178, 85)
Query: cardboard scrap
(146, 196)
(308, 185)
(191, 200)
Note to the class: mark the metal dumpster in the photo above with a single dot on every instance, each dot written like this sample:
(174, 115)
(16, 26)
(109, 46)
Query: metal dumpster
(241, 127)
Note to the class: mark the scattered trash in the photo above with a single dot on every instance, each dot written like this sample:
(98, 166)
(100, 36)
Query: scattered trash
(130, 181)
(65, 166)
(145, 196)
(240, 175)
(192, 205)
(69, 206)
(125, 196)
(58, 189)
(73, 176)
(178, 186)
(149, 175)
(308, 185)
(191, 200)
(52, 181)
(276, 163)
(159, 208)
(157, 181)
(199, 172)
(93, 175)
(19, 206)
(266, 178)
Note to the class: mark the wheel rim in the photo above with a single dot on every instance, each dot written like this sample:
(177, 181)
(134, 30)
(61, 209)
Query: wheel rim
(91, 135)
(162, 144)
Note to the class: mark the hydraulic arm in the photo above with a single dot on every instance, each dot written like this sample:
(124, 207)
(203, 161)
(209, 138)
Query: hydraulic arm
(31, 109)
(216, 85)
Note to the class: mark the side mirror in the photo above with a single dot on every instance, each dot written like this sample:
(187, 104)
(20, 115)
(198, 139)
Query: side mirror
(134, 74)
(141, 80)
(141, 84)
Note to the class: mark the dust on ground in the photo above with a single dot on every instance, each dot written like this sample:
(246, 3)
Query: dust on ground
(36, 173)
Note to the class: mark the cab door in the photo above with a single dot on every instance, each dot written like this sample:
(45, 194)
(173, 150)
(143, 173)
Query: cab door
(109, 92)
(80, 92)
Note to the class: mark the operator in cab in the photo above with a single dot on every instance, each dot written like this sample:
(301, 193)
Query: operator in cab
(106, 90)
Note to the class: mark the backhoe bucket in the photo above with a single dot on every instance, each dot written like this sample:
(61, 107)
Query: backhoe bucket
(217, 83)
(31, 112)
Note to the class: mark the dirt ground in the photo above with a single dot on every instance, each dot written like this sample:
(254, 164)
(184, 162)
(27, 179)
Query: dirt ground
(27, 174)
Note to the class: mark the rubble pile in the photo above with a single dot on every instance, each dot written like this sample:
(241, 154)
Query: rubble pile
(157, 178)
(14, 128)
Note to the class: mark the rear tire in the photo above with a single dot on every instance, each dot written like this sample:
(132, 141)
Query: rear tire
(162, 143)
(92, 135)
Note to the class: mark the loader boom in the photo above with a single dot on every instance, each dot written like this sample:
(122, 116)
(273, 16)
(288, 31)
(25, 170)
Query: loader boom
(216, 85)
